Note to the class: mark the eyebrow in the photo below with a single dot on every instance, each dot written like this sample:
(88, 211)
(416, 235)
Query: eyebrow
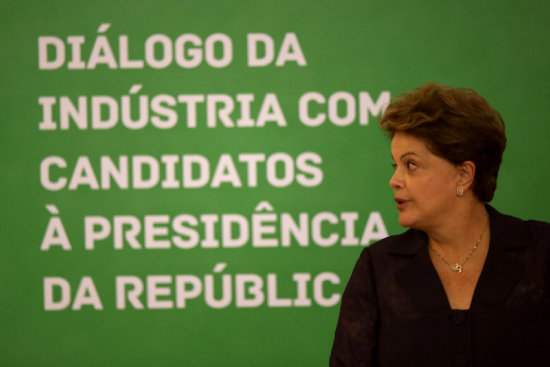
(406, 154)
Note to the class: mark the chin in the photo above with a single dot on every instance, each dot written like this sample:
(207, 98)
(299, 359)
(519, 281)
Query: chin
(406, 220)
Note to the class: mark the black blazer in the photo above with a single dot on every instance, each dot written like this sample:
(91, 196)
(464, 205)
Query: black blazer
(395, 312)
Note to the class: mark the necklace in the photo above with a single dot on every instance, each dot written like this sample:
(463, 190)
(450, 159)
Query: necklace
(456, 267)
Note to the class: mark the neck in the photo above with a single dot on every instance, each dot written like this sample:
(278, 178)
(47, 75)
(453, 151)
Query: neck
(460, 231)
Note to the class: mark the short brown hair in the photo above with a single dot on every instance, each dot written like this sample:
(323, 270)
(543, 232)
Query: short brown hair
(457, 124)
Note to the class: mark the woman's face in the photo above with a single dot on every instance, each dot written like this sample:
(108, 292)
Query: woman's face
(424, 184)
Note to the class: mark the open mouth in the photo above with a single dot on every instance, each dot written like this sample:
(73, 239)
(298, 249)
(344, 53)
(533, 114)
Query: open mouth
(400, 203)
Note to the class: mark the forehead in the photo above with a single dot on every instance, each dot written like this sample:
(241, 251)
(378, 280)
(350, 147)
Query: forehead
(403, 144)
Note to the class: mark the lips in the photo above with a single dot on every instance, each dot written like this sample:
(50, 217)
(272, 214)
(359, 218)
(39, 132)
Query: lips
(401, 203)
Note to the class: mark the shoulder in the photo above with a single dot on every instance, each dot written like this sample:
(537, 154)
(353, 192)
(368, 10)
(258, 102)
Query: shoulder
(539, 238)
(512, 225)
(539, 229)
(512, 234)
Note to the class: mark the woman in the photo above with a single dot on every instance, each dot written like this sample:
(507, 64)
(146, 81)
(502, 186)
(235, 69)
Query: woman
(465, 285)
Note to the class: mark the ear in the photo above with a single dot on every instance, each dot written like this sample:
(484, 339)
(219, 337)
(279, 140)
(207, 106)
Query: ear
(465, 173)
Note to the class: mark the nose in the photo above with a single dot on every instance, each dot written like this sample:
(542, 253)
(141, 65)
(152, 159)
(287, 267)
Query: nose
(396, 182)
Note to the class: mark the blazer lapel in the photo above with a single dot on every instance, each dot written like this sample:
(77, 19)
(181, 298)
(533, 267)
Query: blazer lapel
(418, 277)
(503, 266)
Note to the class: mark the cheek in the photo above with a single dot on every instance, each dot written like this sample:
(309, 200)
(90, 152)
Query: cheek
(437, 188)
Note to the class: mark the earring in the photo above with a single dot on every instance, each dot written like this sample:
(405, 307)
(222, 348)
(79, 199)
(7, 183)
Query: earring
(460, 191)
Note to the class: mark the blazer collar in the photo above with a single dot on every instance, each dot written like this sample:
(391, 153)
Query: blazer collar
(408, 243)
(500, 272)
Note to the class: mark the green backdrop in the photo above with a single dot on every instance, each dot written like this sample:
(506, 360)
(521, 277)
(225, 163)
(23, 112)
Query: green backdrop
(190, 182)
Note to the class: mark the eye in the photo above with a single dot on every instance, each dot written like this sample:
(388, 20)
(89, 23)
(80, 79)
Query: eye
(411, 165)
(394, 165)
